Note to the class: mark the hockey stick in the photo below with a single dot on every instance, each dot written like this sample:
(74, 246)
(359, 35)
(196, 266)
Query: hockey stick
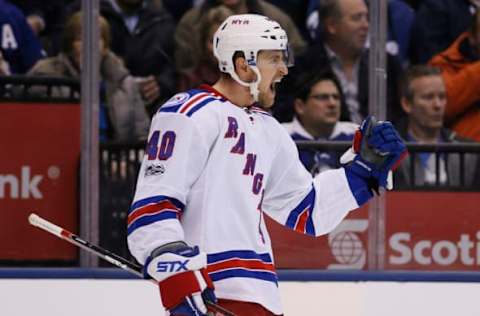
(105, 254)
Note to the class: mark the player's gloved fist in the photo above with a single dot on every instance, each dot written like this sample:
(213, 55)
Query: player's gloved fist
(184, 283)
(377, 149)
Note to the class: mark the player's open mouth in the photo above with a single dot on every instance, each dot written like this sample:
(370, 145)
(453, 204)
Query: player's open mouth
(273, 85)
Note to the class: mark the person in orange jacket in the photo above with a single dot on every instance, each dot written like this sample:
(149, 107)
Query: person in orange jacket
(460, 65)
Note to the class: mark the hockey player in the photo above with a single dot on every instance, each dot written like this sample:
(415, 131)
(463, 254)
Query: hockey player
(216, 161)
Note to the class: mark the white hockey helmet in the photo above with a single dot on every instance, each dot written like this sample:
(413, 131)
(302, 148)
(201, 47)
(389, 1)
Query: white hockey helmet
(248, 33)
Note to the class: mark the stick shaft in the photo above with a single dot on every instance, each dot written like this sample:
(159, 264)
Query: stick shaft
(70, 237)
(103, 253)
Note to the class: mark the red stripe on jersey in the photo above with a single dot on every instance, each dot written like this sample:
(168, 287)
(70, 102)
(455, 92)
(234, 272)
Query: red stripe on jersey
(152, 209)
(301, 225)
(212, 90)
(240, 263)
(189, 103)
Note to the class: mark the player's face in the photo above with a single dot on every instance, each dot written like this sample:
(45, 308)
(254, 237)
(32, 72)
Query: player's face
(351, 29)
(427, 108)
(322, 106)
(273, 67)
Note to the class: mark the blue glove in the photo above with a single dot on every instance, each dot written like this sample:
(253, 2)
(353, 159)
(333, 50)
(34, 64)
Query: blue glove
(184, 283)
(377, 149)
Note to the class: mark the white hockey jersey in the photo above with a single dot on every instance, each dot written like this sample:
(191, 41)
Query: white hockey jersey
(211, 170)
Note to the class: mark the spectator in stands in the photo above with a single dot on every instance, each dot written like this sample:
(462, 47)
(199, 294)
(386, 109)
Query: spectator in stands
(20, 47)
(345, 29)
(318, 102)
(121, 104)
(186, 56)
(424, 100)
(460, 65)
(400, 20)
(206, 70)
(142, 35)
(437, 24)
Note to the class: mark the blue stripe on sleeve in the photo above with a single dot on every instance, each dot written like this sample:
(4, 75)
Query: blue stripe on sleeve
(241, 273)
(156, 199)
(149, 219)
(308, 201)
(241, 254)
(310, 226)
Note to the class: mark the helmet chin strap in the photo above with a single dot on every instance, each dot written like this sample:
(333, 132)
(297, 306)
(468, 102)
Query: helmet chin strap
(253, 86)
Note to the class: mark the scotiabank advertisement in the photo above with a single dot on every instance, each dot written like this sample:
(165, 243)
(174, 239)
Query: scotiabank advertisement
(424, 231)
(433, 231)
(39, 163)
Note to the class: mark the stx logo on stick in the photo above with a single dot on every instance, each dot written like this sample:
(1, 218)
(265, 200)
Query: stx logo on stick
(172, 266)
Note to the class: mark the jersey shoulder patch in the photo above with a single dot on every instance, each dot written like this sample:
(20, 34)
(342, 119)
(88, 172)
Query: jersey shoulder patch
(189, 102)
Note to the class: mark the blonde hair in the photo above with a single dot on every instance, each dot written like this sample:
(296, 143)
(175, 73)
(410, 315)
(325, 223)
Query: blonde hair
(213, 17)
(73, 32)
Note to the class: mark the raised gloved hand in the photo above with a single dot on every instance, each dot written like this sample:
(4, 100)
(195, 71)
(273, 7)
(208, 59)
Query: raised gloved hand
(377, 149)
(184, 283)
